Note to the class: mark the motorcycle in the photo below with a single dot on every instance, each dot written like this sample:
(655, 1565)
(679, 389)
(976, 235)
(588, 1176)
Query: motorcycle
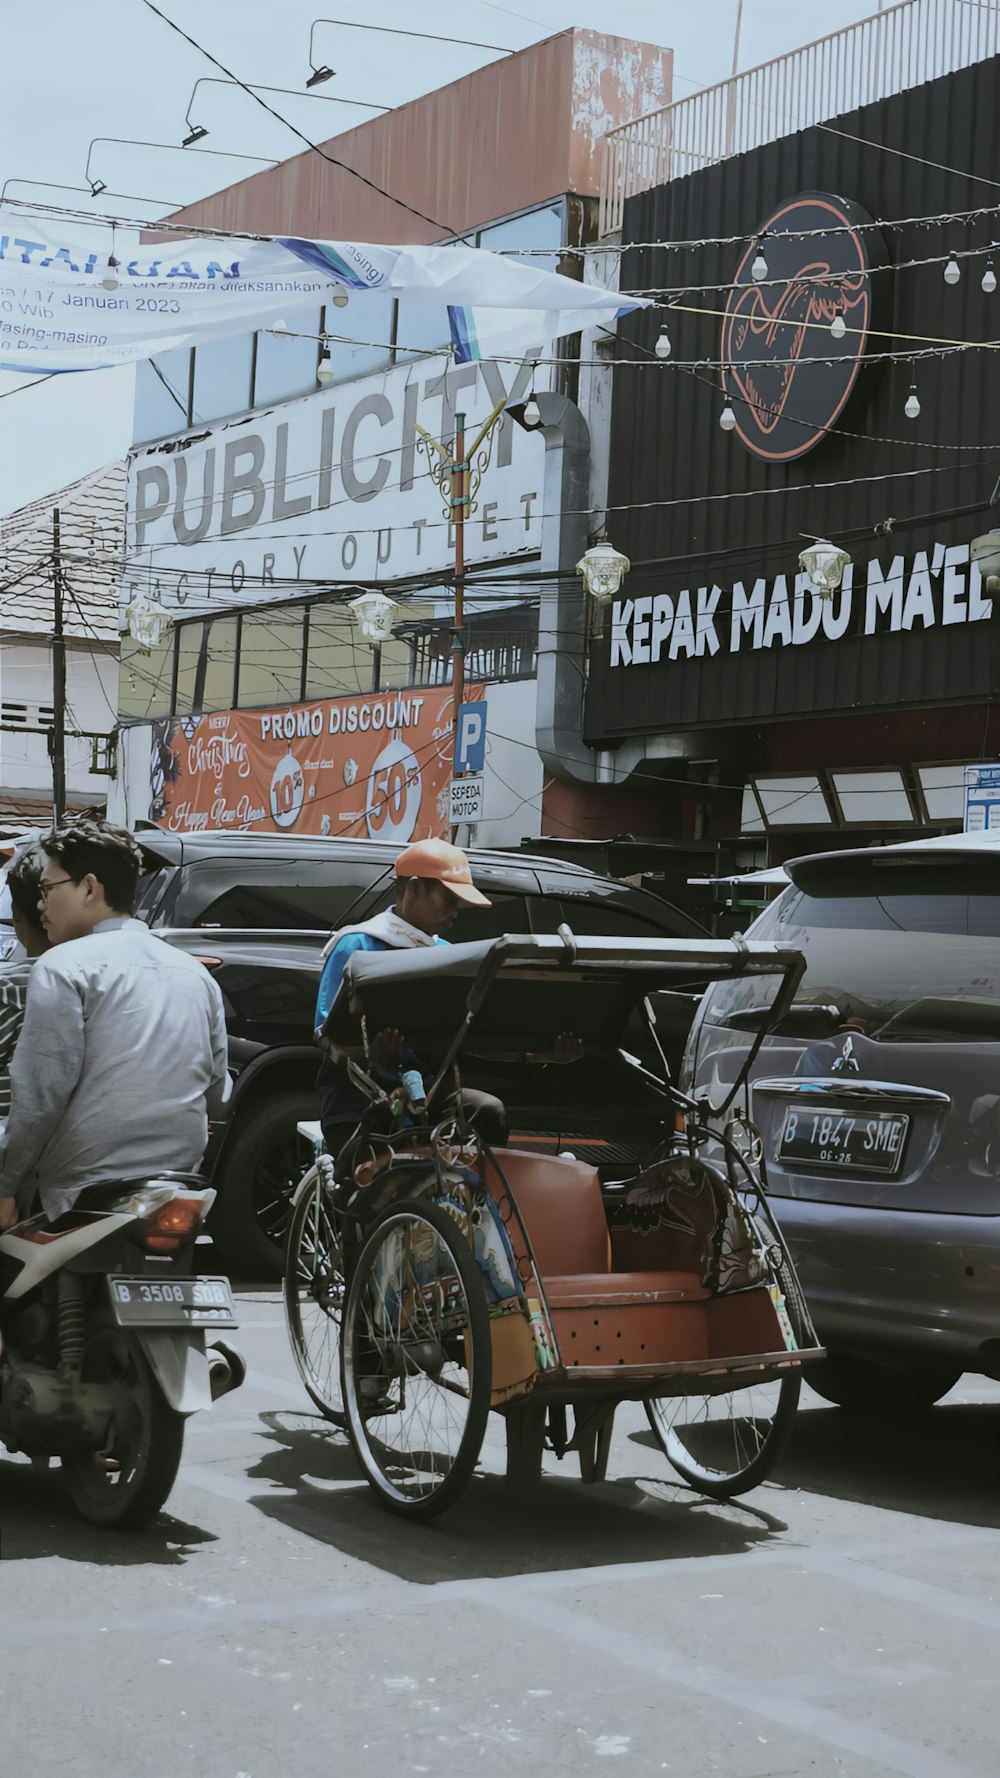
(103, 1351)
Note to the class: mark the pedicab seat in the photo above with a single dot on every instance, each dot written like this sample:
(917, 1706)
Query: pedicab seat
(620, 1289)
(602, 1318)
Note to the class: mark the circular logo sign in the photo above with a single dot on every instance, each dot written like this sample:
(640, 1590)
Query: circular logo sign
(785, 374)
(287, 791)
(395, 789)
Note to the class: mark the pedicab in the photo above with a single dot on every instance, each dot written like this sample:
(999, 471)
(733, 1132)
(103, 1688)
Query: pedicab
(434, 1274)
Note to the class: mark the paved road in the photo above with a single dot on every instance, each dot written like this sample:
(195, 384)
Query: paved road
(843, 1620)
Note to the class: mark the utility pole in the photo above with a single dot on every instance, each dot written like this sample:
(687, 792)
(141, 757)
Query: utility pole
(57, 738)
(458, 472)
(459, 500)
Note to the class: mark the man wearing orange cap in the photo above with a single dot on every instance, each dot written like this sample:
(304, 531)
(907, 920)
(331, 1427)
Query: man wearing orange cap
(435, 882)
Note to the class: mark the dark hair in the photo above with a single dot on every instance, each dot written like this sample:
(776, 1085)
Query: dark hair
(23, 879)
(101, 850)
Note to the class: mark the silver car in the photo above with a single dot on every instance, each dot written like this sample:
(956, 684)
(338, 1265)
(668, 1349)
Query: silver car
(878, 1100)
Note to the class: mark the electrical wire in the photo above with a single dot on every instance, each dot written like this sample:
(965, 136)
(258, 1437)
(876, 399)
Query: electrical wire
(439, 575)
(425, 36)
(936, 219)
(920, 159)
(828, 281)
(32, 385)
(331, 159)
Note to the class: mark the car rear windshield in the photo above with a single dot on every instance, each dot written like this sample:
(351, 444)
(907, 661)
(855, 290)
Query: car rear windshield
(905, 967)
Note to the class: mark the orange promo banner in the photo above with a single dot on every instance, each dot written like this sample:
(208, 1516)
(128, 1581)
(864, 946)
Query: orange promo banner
(376, 765)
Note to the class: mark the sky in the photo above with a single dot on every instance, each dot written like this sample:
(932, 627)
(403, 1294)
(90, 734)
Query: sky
(75, 70)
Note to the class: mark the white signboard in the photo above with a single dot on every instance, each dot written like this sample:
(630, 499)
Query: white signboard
(934, 588)
(982, 799)
(466, 803)
(329, 489)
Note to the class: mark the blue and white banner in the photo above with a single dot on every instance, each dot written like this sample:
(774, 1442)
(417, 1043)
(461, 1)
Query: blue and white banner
(64, 308)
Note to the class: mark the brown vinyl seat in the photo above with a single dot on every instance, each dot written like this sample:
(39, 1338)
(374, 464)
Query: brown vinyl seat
(561, 1207)
(604, 1320)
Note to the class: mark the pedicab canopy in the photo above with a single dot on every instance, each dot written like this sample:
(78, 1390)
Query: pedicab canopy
(515, 996)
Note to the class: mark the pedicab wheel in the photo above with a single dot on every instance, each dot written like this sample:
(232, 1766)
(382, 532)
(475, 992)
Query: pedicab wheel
(416, 1359)
(726, 1444)
(314, 1294)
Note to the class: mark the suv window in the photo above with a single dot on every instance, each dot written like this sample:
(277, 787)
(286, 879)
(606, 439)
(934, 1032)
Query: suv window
(508, 913)
(600, 918)
(150, 888)
(311, 893)
(908, 966)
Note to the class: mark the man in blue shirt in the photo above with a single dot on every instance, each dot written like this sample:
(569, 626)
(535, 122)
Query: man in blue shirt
(435, 882)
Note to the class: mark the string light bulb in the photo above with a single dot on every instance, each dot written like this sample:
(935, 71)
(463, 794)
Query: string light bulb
(912, 408)
(110, 278)
(758, 271)
(727, 419)
(989, 278)
(838, 326)
(663, 347)
(952, 271)
(324, 369)
(340, 297)
(532, 411)
(279, 327)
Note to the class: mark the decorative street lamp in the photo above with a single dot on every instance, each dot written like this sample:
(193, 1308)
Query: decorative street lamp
(603, 568)
(374, 615)
(824, 563)
(985, 552)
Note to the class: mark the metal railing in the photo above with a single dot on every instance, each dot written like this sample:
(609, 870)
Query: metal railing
(498, 646)
(913, 41)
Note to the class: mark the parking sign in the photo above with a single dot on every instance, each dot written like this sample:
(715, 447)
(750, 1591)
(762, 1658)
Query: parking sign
(470, 741)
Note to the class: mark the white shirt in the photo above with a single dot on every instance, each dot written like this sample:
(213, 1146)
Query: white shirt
(123, 1042)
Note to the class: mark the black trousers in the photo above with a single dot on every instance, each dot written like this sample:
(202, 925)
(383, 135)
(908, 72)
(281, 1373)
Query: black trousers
(483, 1111)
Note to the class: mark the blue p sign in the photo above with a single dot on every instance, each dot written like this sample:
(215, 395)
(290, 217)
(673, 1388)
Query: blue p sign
(470, 742)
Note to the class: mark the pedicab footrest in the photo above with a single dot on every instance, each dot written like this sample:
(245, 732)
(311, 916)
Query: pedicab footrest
(629, 1318)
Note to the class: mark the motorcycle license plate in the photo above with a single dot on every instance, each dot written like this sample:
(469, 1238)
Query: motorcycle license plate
(172, 1302)
(852, 1141)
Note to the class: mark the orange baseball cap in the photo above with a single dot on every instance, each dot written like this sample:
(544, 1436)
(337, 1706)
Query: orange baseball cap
(443, 863)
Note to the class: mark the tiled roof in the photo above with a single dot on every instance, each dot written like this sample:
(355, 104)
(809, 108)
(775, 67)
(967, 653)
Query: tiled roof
(21, 815)
(92, 539)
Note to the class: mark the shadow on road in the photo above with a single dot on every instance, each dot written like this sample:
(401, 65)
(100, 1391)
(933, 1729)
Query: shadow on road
(941, 1464)
(38, 1520)
(494, 1529)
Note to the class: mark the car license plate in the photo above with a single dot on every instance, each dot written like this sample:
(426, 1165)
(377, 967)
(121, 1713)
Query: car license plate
(853, 1141)
(172, 1302)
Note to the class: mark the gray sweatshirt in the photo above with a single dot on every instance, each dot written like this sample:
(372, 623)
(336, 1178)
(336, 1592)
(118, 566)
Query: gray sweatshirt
(123, 1043)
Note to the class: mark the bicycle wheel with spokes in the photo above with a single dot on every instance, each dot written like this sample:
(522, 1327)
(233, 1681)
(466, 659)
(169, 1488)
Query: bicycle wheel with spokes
(727, 1443)
(416, 1359)
(314, 1293)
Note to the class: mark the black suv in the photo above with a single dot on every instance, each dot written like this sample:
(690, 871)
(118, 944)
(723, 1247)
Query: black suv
(258, 908)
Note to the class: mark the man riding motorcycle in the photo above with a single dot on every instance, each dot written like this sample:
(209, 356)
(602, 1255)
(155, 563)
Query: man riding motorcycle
(124, 1039)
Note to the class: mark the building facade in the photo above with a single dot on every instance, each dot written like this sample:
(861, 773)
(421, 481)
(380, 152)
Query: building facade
(835, 310)
(79, 534)
(276, 476)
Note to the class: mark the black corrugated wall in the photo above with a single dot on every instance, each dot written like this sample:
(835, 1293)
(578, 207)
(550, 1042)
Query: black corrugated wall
(667, 445)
